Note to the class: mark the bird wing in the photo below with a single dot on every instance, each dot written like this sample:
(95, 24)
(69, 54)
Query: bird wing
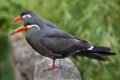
(60, 42)
(49, 24)
(36, 45)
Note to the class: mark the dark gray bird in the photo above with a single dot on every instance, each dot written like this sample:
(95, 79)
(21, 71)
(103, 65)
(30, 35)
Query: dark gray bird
(55, 43)
(28, 14)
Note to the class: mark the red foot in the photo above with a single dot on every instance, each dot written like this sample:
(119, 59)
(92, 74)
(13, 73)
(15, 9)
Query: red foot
(52, 67)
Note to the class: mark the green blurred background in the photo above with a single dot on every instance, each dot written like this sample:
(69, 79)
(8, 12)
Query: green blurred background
(95, 20)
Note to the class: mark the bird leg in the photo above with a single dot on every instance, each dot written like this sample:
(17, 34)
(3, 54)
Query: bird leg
(52, 66)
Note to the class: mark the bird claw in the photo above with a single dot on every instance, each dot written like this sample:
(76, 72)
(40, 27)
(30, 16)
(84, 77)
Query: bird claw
(50, 68)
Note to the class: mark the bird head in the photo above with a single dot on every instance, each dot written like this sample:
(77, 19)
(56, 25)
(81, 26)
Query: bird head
(25, 14)
(25, 27)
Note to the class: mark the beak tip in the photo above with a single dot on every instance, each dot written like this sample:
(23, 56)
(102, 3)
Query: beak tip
(13, 21)
(22, 28)
(17, 18)
(11, 34)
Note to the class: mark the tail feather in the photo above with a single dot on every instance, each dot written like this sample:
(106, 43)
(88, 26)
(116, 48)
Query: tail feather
(99, 53)
(99, 48)
(103, 53)
(94, 56)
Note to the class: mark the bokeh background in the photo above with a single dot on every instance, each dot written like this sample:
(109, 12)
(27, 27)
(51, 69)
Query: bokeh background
(95, 20)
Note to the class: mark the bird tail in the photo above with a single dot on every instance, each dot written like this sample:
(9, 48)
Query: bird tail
(99, 53)
(99, 48)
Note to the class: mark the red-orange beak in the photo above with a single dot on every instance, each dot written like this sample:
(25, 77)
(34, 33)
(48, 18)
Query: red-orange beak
(21, 28)
(17, 18)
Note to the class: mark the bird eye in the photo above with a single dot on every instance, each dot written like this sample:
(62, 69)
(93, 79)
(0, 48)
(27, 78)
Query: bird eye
(26, 16)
